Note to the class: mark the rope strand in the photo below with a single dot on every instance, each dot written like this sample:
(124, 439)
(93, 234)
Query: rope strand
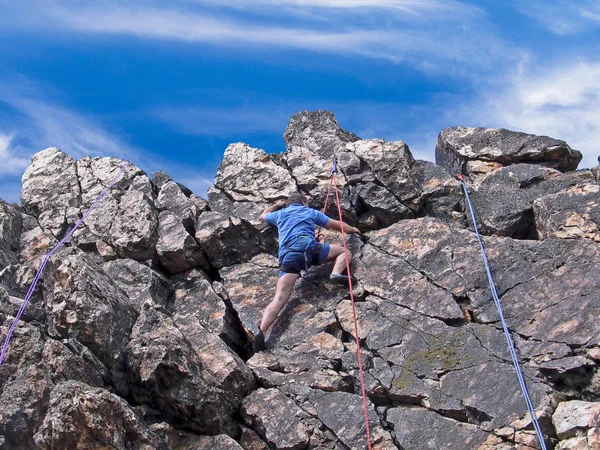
(47, 258)
(358, 355)
(511, 345)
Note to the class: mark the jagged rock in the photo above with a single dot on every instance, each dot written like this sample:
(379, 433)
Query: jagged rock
(177, 250)
(221, 442)
(250, 440)
(278, 420)
(229, 240)
(596, 173)
(179, 200)
(503, 201)
(281, 367)
(441, 193)
(195, 301)
(418, 428)
(576, 417)
(85, 304)
(25, 385)
(10, 233)
(572, 213)
(35, 245)
(247, 180)
(317, 131)
(141, 283)
(134, 232)
(169, 373)
(51, 191)
(69, 359)
(477, 151)
(437, 370)
(80, 416)
(125, 222)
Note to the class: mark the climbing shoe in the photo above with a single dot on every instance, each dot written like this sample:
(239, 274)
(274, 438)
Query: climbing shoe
(339, 278)
(259, 342)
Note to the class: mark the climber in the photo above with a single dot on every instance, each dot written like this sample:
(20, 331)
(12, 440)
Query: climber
(298, 250)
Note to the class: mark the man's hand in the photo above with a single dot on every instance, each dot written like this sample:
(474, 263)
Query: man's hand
(353, 230)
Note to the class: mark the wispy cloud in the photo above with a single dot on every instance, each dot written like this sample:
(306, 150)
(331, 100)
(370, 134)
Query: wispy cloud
(45, 123)
(12, 161)
(563, 103)
(563, 17)
(426, 32)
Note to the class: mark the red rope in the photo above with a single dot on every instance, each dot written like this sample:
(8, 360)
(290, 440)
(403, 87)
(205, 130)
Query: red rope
(360, 367)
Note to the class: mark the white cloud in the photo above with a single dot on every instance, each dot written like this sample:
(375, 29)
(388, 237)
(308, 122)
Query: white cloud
(12, 161)
(563, 103)
(562, 17)
(428, 33)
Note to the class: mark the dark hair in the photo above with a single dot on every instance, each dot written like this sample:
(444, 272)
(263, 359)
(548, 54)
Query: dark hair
(296, 198)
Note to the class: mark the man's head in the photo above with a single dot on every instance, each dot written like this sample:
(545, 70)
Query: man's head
(297, 198)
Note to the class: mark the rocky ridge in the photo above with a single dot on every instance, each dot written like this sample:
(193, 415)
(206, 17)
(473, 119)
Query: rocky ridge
(139, 335)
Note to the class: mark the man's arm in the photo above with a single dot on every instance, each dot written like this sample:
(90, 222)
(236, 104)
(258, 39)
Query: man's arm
(335, 225)
(277, 206)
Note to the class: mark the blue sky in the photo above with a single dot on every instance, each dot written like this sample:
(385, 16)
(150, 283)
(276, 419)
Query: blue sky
(168, 85)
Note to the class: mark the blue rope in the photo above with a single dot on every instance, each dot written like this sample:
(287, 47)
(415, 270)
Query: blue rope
(511, 345)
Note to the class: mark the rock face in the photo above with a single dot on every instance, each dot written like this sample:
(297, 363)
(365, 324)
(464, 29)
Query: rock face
(139, 335)
(477, 151)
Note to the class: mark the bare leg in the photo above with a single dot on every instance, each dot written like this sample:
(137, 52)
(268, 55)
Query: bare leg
(337, 254)
(285, 284)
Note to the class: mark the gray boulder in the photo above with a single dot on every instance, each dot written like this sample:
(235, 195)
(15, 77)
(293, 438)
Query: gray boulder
(10, 233)
(80, 416)
(477, 151)
(51, 191)
(503, 201)
(571, 213)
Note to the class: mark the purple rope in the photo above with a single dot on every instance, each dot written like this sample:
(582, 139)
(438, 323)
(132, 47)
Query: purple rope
(45, 261)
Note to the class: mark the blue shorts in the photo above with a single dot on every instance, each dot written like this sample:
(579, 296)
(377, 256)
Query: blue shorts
(295, 262)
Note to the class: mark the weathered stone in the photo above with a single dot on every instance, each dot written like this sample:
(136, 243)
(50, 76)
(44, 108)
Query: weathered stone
(126, 218)
(195, 302)
(570, 214)
(141, 283)
(596, 173)
(85, 304)
(250, 440)
(477, 151)
(167, 373)
(313, 140)
(281, 367)
(185, 206)
(441, 193)
(177, 250)
(390, 163)
(228, 240)
(343, 413)
(503, 201)
(576, 416)
(381, 272)
(10, 233)
(417, 428)
(51, 191)
(381, 204)
(135, 227)
(220, 442)
(71, 360)
(433, 354)
(278, 420)
(36, 244)
(251, 179)
(80, 417)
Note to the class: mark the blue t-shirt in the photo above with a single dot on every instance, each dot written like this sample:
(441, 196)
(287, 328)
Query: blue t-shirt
(295, 220)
